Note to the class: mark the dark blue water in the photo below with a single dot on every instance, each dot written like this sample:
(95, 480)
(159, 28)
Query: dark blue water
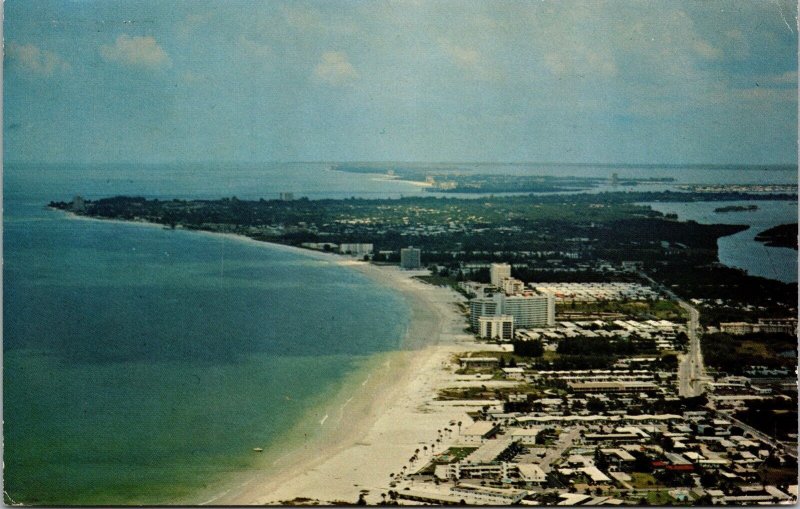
(142, 365)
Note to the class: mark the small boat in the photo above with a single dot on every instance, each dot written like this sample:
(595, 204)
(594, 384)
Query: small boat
(258, 449)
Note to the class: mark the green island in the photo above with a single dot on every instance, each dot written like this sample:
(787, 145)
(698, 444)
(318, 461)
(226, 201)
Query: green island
(784, 235)
(736, 208)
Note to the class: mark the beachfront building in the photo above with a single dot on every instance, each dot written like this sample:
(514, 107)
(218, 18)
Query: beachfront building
(483, 306)
(497, 272)
(479, 432)
(496, 327)
(528, 310)
(356, 249)
(410, 258)
(531, 310)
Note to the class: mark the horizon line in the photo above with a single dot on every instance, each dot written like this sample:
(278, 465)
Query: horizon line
(417, 162)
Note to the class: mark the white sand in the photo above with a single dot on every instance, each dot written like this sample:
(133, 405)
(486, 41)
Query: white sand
(386, 422)
(388, 416)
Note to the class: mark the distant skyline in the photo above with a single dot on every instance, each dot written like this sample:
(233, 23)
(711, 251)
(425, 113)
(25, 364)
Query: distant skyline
(607, 82)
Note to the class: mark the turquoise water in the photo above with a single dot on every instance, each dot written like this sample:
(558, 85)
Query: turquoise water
(143, 365)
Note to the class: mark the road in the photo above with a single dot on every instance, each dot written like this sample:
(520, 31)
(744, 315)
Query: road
(691, 371)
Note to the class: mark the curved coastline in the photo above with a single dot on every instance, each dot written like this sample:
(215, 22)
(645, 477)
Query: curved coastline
(372, 420)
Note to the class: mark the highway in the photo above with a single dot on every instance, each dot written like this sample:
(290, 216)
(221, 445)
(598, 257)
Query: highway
(691, 371)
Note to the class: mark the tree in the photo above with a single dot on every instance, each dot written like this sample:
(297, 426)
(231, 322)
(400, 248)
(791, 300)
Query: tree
(528, 348)
(595, 406)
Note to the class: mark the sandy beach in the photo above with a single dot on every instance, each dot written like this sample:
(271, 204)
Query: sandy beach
(379, 418)
(388, 417)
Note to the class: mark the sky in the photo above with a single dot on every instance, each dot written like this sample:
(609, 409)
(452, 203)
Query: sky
(617, 81)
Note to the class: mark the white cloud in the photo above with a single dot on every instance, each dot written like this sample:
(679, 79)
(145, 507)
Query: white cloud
(786, 78)
(469, 60)
(136, 52)
(255, 49)
(335, 68)
(35, 60)
(581, 61)
(193, 22)
(706, 50)
(466, 58)
(307, 19)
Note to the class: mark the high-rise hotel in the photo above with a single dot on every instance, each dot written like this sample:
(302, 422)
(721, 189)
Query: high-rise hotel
(498, 272)
(528, 310)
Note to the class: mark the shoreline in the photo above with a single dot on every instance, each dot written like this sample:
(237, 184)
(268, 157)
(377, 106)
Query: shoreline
(335, 458)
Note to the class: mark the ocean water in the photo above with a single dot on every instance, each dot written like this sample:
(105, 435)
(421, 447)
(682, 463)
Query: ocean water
(142, 365)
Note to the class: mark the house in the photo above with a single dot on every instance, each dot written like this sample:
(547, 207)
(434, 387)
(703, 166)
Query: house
(479, 432)
(479, 362)
(525, 435)
(531, 474)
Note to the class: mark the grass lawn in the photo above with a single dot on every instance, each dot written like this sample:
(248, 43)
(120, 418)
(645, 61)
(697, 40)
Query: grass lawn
(459, 453)
(660, 309)
(643, 480)
(659, 498)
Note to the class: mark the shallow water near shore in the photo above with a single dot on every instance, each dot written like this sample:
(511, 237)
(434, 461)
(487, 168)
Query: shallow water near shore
(144, 365)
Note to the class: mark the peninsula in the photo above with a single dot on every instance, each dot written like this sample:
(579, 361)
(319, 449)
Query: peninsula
(784, 235)
(564, 362)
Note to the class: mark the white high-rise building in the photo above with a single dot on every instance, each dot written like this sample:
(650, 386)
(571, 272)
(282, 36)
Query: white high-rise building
(496, 327)
(483, 306)
(513, 286)
(531, 310)
(528, 311)
(497, 272)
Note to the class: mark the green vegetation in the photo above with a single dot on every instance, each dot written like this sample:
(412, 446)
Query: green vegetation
(735, 208)
(776, 418)
(662, 309)
(735, 354)
(784, 235)
(455, 454)
(588, 353)
(641, 480)
(659, 498)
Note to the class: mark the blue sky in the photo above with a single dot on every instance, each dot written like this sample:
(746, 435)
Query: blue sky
(616, 81)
